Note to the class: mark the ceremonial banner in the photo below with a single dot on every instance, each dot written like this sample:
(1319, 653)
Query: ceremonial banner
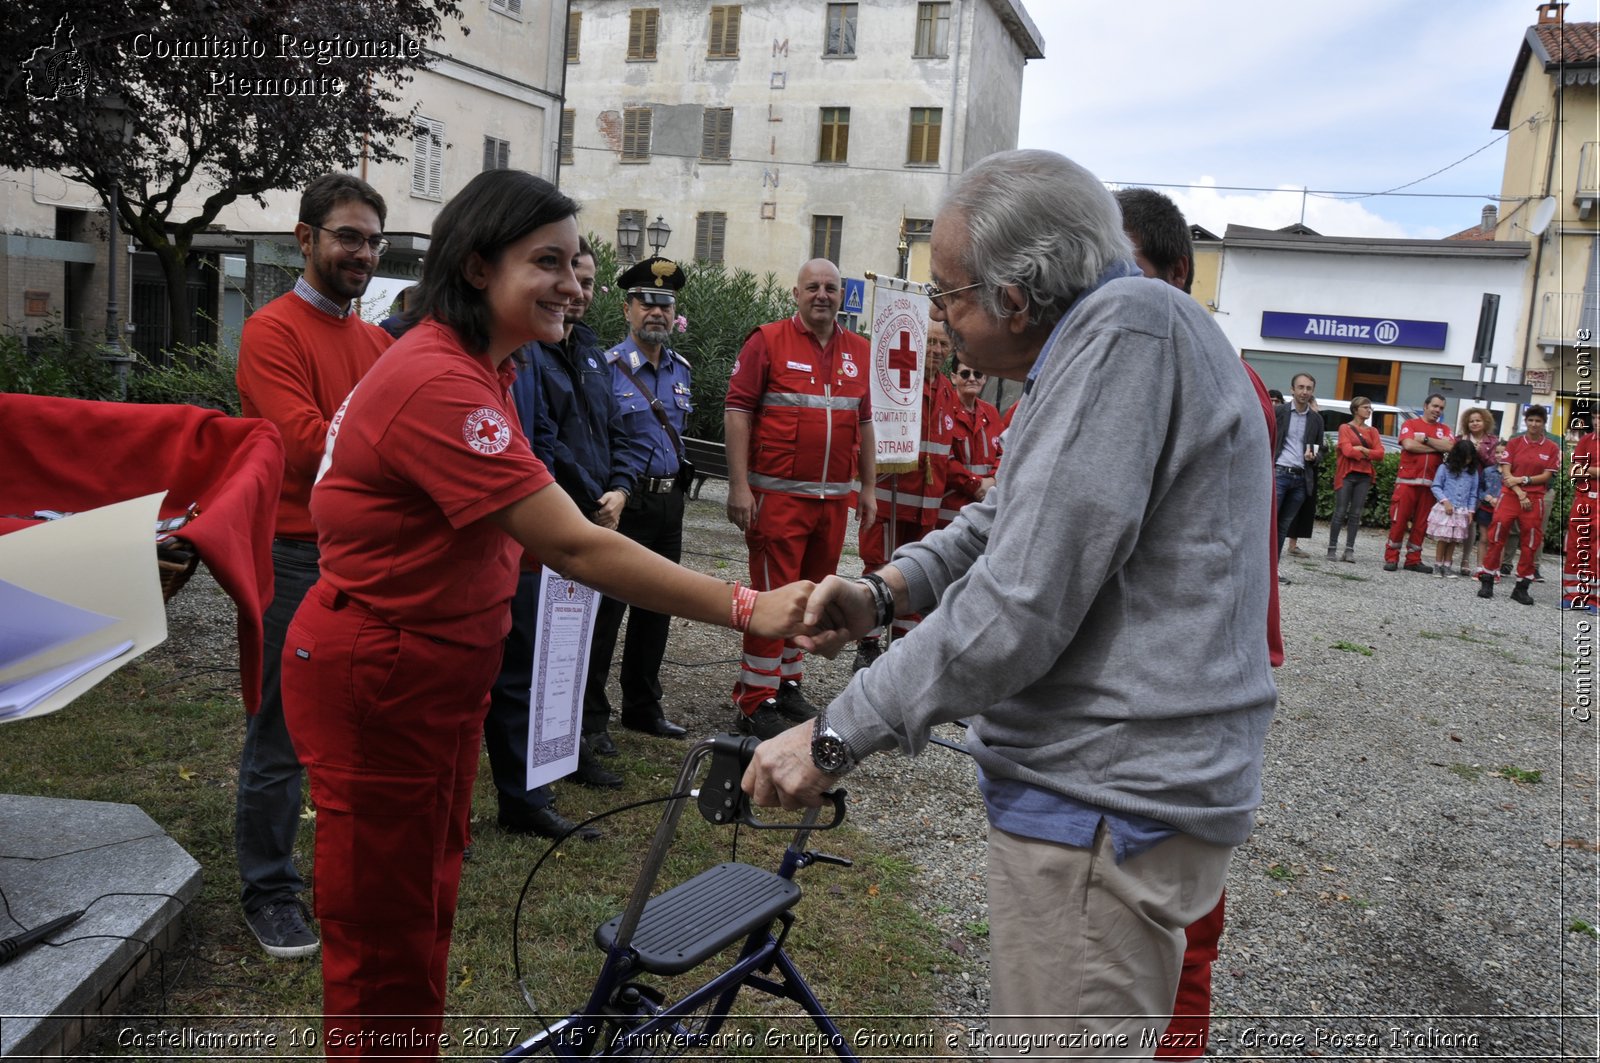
(899, 338)
(560, 664)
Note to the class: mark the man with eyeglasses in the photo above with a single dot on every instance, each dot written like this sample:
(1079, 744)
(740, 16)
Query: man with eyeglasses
(908, 502)
(798, 424)
(1424, 441)
(299, 356)
(1111, 662)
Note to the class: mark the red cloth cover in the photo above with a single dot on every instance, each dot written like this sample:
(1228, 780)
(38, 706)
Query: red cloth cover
(72, 455)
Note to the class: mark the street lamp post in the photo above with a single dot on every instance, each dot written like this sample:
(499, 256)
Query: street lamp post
(627, 238)
(111, 115)
(660, 232)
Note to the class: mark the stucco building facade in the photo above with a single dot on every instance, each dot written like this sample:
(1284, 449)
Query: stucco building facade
(1550, 196)
(766, 133)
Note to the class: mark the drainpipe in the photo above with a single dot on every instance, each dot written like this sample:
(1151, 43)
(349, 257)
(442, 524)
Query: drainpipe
(561, 109)
(1538, 250)
(955, 91)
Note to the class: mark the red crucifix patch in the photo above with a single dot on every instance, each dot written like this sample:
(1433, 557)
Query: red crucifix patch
(487, 431)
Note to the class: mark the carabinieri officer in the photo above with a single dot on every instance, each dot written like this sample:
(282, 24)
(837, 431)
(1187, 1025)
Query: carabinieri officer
(652, 387)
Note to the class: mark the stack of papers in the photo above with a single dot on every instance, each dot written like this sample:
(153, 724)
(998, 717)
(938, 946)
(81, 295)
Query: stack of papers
(79, 598)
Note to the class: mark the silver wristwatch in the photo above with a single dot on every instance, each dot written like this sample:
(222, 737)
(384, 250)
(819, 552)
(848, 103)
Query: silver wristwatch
(828, 749)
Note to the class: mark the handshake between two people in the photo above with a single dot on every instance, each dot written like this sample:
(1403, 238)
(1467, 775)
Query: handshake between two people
(822, 618)
(831, 615)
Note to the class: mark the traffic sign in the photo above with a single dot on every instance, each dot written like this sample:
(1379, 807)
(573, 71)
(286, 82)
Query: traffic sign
(1481, 391)
(855, 295)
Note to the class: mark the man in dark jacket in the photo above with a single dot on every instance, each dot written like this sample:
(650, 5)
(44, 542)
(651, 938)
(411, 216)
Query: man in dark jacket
(1296, 443)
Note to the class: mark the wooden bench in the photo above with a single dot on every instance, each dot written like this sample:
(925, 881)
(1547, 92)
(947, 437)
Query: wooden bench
(710, 460)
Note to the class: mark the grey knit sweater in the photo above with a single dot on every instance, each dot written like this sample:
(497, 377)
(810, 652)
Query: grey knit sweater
(1101, 615)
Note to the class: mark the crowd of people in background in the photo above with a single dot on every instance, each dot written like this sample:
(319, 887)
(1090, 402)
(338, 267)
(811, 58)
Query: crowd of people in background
(1467, 490)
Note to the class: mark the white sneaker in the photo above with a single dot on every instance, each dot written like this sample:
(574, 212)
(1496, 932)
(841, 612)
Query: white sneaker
(1455, 573)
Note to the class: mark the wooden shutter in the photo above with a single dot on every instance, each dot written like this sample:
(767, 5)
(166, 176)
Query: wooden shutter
(636, 122)
(642, 27)
(574, 33)
(724, 31)
(427, 158)
(709, 229)
(569, 123)
(716, 133)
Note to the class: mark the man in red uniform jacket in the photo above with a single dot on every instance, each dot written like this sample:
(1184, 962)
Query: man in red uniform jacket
(908, 502)
(798, 426)
(1424, 441)
(299, 356)
(1526, 473)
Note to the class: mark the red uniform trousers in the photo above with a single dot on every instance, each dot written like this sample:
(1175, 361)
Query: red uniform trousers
(1409, 504)
(388, 724)
(876, 550)
(1190, 1028)
(789, 538)
(1578, 572)
(1530, 531)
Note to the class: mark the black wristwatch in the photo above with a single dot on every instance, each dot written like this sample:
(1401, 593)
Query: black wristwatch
(828, 750)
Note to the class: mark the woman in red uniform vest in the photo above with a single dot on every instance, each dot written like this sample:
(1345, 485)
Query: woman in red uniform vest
(427, 497)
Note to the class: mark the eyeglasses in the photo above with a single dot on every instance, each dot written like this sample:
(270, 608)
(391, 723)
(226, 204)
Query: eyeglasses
(353, 241)
(969, 374)
(936, 294)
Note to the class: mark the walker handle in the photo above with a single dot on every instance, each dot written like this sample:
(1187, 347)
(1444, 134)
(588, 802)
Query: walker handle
(723, 802)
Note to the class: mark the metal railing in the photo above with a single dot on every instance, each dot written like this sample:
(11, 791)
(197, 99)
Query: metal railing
(1561, 315)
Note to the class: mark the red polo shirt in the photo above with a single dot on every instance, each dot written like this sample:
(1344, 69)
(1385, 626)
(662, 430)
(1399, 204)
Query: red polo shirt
(426, 446)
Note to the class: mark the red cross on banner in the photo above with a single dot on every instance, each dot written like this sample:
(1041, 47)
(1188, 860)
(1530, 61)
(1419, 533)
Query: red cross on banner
(903, 357)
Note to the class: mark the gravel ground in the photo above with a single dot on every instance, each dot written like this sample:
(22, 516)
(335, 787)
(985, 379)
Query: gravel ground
(1409, 891)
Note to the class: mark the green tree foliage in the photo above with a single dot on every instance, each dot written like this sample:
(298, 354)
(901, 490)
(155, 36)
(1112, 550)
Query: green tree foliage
(97, 94)
(721, 307)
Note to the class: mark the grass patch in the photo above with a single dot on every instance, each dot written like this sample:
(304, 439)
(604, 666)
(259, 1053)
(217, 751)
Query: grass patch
(1281, 873)
(1519, 775)
(1352, 577)
(1353, 647)
(1580, 926)
(170, 744)
(1469, 772)
(1431, 635)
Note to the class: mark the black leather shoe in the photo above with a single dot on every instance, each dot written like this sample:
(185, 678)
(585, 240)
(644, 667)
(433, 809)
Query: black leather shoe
(1520, 593)
(592, 773)
(656, 726)
(1419, 567)
(546, 823)
(600, 744)
(1486, 586)
(1391, 566)
(792, 705)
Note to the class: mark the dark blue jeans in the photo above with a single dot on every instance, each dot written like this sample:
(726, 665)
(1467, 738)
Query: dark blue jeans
(267, 807)
(505, 729)
(1290, 485)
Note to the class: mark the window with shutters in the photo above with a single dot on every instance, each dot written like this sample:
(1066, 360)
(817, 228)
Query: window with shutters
(840, 40)
(922, 148)
(643, 25)
(626, 255)
(427, 158)
(709, 227)
(507, 7)
(724, 32)
(574, 33)
(834, 143)
(496, 154)
(636, 123)
(827, 233)
(716, 135)
(569, 123)
(933, 31)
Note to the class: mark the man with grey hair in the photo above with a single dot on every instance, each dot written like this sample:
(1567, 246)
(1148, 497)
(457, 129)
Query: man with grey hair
(1112, 663)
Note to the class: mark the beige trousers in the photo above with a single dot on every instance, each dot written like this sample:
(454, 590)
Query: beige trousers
(1085, 952)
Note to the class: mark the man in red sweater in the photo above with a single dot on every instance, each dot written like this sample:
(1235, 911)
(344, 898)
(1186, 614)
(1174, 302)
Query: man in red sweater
(299, 356)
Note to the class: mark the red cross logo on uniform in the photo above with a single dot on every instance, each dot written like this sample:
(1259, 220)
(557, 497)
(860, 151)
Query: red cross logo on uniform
(903, 358)
(488, 431)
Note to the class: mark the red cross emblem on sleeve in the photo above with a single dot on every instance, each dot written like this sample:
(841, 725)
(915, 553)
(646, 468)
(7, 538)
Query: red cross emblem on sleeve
(487, 430)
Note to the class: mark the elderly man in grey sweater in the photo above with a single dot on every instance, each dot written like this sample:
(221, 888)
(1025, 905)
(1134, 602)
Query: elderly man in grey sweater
(1101, 614)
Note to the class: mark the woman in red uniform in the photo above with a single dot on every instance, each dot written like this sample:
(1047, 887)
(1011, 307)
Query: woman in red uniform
(427, 497)
(974, 447)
